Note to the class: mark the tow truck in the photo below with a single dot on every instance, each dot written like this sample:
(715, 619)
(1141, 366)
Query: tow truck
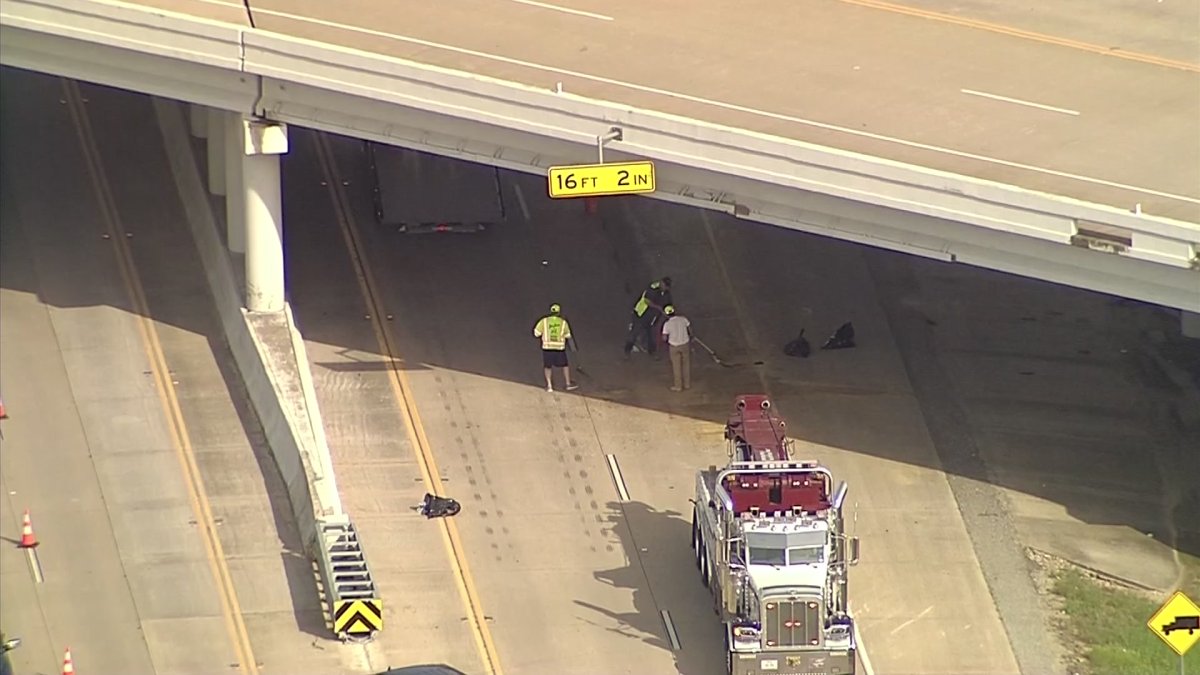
(769, 539)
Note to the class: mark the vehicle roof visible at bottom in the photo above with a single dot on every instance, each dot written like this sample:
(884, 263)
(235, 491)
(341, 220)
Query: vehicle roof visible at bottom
(423, 670)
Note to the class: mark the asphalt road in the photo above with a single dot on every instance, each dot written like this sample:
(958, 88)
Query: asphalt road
(1101, 104)
(129, 433)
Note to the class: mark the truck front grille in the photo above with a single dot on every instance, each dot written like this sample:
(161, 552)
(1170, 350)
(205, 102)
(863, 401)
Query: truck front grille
(792, 623)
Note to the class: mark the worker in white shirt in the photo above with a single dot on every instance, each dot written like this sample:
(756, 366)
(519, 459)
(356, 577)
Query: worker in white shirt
(677, 332)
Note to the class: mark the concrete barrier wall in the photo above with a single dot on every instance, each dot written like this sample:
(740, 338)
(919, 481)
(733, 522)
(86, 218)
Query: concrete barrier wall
(264, 346)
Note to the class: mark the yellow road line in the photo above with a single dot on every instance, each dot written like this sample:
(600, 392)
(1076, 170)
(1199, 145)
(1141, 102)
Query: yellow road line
(407, 404)
(1026, 34)
(230, 608)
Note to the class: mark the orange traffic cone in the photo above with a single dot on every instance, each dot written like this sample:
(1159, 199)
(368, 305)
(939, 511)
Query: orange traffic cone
(27, 538)
(68, 667)
(3, 415)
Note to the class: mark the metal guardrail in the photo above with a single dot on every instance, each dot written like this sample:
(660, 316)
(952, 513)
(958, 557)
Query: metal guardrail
(355, 608)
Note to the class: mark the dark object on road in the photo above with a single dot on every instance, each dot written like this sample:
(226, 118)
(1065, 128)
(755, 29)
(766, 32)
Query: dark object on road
(842, 338)
(798, 347)
(1189, 623)
(439, 507)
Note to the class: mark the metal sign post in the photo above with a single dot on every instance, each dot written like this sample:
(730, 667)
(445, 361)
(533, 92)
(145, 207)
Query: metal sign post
(614, 134)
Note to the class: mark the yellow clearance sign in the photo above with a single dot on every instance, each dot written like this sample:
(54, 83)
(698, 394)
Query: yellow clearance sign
(596, 180)
(1177, 622)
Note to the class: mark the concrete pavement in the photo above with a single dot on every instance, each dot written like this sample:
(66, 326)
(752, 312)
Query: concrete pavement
(88, 446)
(944, 510)
(1113, 130)
(551, 545)
(376, 464)
(135, 591)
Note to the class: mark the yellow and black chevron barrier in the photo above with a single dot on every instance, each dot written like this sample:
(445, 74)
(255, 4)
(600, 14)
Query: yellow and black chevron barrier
(357, 617)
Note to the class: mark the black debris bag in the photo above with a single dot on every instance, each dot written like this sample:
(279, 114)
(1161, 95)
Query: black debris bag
(439, 507)
(798, 347)
(842, 338)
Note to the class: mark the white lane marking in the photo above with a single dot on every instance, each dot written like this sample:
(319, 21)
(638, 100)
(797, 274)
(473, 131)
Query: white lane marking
(868, 669)
(911, 621)
(566, 10)
(721, 104)
(671, 634)
(618, 479)
(1031, 104)
(35, 564)
(521, 202)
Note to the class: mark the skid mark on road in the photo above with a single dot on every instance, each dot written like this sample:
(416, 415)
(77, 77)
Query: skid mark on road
(406, 402)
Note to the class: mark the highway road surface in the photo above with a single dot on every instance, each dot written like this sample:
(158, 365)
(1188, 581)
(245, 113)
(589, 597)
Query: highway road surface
(1099, 102)
(981, 415)
(166, 544)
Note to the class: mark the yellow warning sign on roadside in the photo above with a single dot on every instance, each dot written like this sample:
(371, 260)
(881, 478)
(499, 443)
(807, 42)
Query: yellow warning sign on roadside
(1177, 622)
(357, 617)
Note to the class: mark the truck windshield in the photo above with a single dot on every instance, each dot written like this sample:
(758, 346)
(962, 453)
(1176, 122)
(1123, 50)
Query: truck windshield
(806, 555)
(767, 556)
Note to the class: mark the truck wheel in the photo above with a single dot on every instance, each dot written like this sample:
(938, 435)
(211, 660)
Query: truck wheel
(695, 538)
(704, 566)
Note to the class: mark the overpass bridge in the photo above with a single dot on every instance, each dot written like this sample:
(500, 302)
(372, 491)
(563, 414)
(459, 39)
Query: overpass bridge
(979, 162)
(375, 482)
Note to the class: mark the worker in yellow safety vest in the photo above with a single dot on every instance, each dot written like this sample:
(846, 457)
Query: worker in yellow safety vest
(555, 333)
(648, 313)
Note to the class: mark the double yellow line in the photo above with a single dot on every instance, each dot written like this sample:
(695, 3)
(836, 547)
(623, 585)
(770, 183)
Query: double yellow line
(406, 402)
(158, 367)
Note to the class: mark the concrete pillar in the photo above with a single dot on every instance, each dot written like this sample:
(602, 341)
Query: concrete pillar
(216, 151)
(263, 143)
(235, 193)
(1189, 324)
(197, 120)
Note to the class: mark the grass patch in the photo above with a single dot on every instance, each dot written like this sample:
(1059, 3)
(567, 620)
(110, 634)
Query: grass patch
(1110, 624)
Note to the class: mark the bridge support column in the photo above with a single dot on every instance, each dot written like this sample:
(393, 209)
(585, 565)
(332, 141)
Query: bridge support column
(197, 120)
(216, 151)
(235, 194)
(1189, 324)
(263, 142)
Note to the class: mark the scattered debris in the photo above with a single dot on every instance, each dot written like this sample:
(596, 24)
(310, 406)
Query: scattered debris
(798, 347)
(842, 338)
(438, 507)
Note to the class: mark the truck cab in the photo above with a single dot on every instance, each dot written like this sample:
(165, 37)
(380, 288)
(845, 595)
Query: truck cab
(769, 539)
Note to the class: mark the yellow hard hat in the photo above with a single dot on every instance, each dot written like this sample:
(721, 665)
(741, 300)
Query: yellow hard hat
(669, 310)
(555, 308)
